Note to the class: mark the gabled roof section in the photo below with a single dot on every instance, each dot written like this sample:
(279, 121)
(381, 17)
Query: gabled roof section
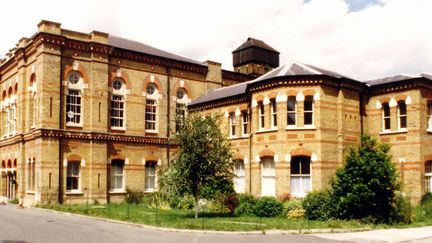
(395, 78)
(255, 42)
(143, 48)
(292, 69)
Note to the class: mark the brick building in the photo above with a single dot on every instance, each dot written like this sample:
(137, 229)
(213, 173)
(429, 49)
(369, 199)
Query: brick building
(290, 128)
(90, 115)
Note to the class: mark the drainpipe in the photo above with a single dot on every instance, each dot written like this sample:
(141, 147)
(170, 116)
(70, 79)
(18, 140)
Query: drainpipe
(60, 155)
(250, 141)
(168, 69)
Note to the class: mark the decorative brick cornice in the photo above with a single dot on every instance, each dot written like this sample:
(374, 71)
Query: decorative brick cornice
(392, 87)
(81, 135)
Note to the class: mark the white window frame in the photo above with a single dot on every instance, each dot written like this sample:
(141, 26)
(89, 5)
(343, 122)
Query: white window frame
(232, 124)
(245, 123)
(384, 117)
(303, 191)
(151, 113)
(114, 176)
(309, 111)
(261, 115)
(78, 190)
(428, 176)
(273, 109)
(75, 84)
(150, 177)
(401, 116)
(239, 176)
(268, 174)
(290, 112)
(117, 112)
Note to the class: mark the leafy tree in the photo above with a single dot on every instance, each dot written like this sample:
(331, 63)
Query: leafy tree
(203, 167)
(365, 187)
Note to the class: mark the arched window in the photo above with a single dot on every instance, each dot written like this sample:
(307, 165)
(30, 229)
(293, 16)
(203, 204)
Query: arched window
(117, 175)
(386, 122)
(273, 106)
(239, 176)
(150, 176)
(292, 111)
(308, 111)
(268, 177)
(428, 176)
(300, 177)
(402, 115)
(429, 115)
(261, 115)
(180, 107)
(117, 104)
(232, 124)
(73, 172)
(73, 99)
(151, 108)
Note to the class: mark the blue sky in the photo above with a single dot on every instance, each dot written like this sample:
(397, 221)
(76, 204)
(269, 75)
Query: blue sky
(363, 39)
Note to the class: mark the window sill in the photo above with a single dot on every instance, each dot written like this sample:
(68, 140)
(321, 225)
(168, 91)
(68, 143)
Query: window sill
(31, 192)
(149, 190)
(429, 130)
(73, 125)
(298, 195)
(300, 128)
(77, 192)
(266, 130)
(393, 132)
(117, 192)
(122, 129)
(151, 131)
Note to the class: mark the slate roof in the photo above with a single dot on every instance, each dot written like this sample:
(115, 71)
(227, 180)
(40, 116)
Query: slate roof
(255, 42)
(143, 48)
(293, 68)
(397, 78)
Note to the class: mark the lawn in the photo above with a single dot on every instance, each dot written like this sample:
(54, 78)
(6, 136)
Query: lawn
(184, 219)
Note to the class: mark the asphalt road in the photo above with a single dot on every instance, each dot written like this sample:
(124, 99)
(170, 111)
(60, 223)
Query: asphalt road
(35, 225)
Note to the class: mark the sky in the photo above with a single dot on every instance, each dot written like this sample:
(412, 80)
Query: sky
(363, 39)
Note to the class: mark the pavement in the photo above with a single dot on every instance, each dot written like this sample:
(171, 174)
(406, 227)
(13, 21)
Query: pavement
(36, 225)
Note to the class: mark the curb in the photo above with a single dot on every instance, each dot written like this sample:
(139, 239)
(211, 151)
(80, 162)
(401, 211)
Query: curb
(261, 232)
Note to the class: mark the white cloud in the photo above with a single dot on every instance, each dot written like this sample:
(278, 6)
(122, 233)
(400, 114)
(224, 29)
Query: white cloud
(378, 40)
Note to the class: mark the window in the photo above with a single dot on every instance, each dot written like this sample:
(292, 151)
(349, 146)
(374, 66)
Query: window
(402, 115)
(239, 176)
(273, 112)
(34, 111)
(291, 111)
(74, 78)
(31, 181)
(428, 176)
(117, 111)
(73, 176)
(429, 115)
(117, 168)
(13, 118)
(150, 115)
(261, 115)
(180, 115)
(73, 106)
(308, 111)
(117, 84)
(181, 93)
(300, 175)
(268, 182)
(245, 123)
(150, 176)
(232, 123)
(386, 116)
(151, 89)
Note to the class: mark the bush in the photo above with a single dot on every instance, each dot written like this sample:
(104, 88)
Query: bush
(285, 196)
(402, 210)
(231, 202)
(297, 213)
(134, 196)
(293, 205)
(426, 198)
(268, 207)
(185, 202)
(246, 204)
(318, 205)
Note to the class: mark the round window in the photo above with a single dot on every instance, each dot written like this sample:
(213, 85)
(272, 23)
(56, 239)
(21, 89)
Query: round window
(117, 84)
(181, 94)
(74, 78)
(151, 89)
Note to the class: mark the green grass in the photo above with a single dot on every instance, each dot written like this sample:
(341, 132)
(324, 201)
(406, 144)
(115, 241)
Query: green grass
(184, 219)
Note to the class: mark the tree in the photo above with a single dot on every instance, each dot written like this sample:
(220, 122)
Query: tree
(204, 166)
(365, 187)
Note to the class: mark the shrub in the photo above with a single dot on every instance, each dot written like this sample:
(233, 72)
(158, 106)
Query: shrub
(401, 211)
(246, 204)
(365, 187)
(134, 196)
(297, 213)
(318, 205)
(292, 205)
(231, 202)
(267, 207)
(285, 196)
(185, 202)
(426, 198)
